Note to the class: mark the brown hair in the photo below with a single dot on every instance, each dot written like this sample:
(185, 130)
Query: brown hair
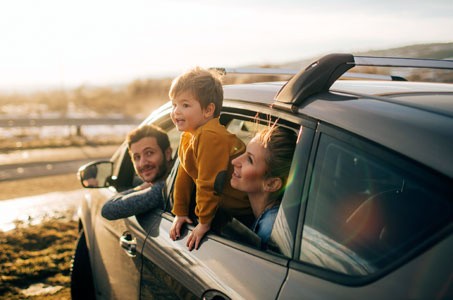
(280, 144)
(148, 131)
(205, 85)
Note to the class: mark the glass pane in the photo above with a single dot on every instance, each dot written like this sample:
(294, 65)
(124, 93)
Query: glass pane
(245, 130)
(364, 213)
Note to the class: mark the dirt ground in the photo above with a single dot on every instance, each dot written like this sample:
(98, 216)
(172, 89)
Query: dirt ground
(49, 264)
(36, 186)
(35, 260)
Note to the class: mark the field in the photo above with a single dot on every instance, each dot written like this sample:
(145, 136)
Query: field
(38, 256)
(36, 260)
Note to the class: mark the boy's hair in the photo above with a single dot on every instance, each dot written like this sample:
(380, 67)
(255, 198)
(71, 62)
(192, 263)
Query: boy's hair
(148, 131)
(205, 85)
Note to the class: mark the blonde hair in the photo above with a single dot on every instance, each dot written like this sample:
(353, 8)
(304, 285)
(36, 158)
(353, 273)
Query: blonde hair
(280, 144)
(205, 85)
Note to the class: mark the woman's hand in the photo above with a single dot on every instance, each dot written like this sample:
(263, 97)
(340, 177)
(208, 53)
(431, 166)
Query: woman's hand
(178, 222)
(197, 235)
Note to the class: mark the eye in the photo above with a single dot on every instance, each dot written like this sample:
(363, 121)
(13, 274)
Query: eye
(149, 153)
(249, 159)
(185, 105)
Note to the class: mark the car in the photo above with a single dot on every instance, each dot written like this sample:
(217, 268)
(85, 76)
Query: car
(366, 214)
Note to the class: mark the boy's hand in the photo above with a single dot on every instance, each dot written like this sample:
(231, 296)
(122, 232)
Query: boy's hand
(197, 234)
(175, 231)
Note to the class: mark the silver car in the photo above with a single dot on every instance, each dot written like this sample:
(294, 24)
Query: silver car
(367, 213)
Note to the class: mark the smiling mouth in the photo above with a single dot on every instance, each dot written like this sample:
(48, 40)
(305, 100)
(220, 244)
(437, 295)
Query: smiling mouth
(147, 170)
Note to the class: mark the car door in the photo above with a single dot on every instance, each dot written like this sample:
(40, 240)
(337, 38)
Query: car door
(116, 266)
(372, 225)
(223, 267)
(116, 246)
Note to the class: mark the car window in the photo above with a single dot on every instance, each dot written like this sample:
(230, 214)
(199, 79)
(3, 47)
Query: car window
(365, 213)
(245, 128)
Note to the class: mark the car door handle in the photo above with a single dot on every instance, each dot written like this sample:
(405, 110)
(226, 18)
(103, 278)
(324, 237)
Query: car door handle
(129, 244)
(213, 294)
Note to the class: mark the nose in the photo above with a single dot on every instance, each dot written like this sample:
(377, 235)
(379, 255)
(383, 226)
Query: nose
(142, 160)
(237, 161)
(175, 109)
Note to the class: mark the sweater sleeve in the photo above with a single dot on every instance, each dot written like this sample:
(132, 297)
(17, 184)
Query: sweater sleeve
(212, 152)
(132, 202)
(182, 192)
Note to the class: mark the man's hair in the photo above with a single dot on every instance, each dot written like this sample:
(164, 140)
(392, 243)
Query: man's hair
(148, 131)
(205, 85)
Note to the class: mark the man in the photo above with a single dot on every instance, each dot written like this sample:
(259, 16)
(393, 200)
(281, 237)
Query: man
(150, 151)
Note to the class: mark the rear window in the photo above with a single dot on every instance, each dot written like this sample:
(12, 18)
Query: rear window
(364, 212)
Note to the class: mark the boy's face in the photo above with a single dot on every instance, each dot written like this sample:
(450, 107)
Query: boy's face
(187, 113)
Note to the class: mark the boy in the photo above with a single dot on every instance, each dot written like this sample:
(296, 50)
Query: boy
(205, 151)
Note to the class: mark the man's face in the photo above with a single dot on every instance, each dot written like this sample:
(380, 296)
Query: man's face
(149, 160)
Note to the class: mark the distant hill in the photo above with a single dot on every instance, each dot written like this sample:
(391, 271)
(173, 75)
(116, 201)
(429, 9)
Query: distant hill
(434, 51)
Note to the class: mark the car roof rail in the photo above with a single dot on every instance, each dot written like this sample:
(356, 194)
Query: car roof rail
(292, 72)
(320, 75)
(255, 71)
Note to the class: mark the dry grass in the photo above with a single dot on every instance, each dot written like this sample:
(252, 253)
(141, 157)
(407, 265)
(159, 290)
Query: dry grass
(40, 253)
(37, 254)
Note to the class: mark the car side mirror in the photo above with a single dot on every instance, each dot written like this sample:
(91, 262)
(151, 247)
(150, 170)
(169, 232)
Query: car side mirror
(97, 174)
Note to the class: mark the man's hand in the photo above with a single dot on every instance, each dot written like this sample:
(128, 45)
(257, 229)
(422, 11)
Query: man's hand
(175, 231)
(197, 235)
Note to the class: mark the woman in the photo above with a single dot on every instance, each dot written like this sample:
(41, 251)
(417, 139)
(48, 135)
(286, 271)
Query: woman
(262, 172)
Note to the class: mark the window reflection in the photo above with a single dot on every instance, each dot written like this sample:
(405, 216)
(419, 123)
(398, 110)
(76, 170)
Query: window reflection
(363, 214)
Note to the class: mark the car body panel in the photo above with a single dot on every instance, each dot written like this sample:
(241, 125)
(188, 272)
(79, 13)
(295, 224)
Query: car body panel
(198, 270)
(421, 278)
(377, 120)
(117, 274)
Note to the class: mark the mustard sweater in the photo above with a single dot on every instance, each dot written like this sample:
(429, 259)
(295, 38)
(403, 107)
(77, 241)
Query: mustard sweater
(203, 156)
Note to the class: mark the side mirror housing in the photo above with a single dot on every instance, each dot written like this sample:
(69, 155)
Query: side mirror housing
(97, 174)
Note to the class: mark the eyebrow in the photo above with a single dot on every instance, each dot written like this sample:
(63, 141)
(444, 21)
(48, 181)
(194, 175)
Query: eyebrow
(149, 148)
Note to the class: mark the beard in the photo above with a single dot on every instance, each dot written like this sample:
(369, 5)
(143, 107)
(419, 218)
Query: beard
(160, 174)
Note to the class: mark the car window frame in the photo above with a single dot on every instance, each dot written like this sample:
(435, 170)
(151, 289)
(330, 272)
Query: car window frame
(248, 112)
(401, 162)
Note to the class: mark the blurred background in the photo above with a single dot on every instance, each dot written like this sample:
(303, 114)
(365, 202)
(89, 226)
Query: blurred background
(76, 76)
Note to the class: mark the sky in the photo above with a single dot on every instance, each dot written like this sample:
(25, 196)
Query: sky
(65, 44)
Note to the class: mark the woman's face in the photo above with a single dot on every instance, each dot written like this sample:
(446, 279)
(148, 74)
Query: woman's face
(250, 169)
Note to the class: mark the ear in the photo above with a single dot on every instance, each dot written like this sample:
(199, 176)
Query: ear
(272, 184)
(209, 110)
(168, 154)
